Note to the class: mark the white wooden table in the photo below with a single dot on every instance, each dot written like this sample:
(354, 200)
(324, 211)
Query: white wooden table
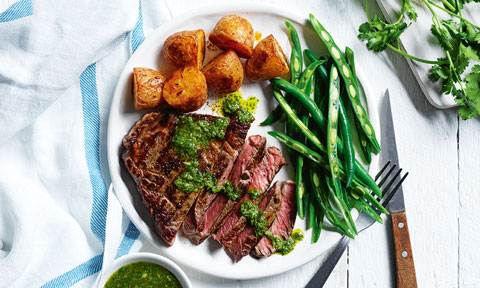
(440, 151)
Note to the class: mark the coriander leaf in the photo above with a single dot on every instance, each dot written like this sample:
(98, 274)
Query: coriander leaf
(379, 34)
(471, 100)
(408, 8)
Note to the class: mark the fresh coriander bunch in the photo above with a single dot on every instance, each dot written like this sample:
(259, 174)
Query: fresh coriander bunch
(458, 37)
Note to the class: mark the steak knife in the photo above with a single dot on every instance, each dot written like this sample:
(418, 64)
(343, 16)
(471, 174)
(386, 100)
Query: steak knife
(405, 268)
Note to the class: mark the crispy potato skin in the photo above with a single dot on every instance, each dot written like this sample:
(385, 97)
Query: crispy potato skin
(224, 73)
(147, 88)
(234, 32)
(185, 48)
(186, 89)
(268, 61)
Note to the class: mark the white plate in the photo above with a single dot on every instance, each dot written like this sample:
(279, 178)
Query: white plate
(209, 257)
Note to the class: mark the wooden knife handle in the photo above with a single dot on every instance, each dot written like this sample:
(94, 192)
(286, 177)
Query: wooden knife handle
(406, 277)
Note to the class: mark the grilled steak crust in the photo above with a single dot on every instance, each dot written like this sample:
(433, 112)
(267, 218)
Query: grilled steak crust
(154, 165)
(251, 153)
(235, 138)
(260, 179)
(284, 221)
(246, 239)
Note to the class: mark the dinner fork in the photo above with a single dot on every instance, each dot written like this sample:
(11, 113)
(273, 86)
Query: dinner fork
(363, 221)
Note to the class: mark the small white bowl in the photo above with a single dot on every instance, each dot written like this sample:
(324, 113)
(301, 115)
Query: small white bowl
(147, 257)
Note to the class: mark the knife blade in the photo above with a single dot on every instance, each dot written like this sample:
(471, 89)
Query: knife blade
(390, 153)
(405, 266)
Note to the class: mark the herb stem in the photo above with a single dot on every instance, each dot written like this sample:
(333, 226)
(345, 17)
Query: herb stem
(413, 57)
(449, 6)
(452, 67)
(427, 2)
(367, 10)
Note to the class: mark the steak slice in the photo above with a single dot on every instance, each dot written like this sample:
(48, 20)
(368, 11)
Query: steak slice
(251, 153)
(235, 139)
(154, 165)
(246, 239)
(260, 179)
(284, 222)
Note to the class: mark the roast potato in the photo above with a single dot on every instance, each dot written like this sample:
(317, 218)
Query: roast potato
(185, 48)
(186, 89)
(267, 61)
(224, 73)
(147, 88)
(234, 32)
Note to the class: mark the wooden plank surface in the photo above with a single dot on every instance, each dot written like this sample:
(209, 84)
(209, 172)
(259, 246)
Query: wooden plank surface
(440, 194)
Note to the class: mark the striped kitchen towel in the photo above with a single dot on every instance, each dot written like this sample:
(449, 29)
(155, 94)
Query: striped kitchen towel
(59, 64)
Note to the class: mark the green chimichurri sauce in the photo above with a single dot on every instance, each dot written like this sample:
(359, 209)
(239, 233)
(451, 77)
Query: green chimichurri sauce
(283, 247)
(193, 179)
(190, 134)
(231, 191)
(144, 275)
(254, 217)
(234, 103)
(254, 194)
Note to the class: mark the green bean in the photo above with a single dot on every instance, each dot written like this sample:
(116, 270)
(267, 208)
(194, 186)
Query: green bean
(296, 67)
(360, 172)
(296, 58)
(300, 187)
(291, 115)
(348, 152)
(308, 103)
(368, 197)
(311, 212)
(347, 75)
(320, 193)
(367, 209)
(317, 225)
(364, 144)
(340, 205)
(334, 95)
(315, 157)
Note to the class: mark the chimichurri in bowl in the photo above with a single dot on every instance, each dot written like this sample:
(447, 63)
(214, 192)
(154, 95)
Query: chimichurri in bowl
(143, 270)
(142, 274)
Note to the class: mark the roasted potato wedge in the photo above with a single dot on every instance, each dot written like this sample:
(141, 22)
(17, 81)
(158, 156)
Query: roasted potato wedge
(268, 61)
(147, 88)
(234, 32)
(186, 89)
(224, 73)
(185, 48)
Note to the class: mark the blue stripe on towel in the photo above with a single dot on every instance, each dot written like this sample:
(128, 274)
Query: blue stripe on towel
(91, 117)
(137, 32)
(20, 9)
(78, 273)
(131, 234)
(91, 121)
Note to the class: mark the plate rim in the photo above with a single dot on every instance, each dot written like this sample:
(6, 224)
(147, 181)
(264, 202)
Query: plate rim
(233, 7)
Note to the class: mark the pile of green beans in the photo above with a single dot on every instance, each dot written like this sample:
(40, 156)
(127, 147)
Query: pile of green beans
(314, 104)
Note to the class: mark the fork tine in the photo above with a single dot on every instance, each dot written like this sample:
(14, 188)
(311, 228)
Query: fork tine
(393, 191)
(381, 170)
(392, 180)
(386, 176)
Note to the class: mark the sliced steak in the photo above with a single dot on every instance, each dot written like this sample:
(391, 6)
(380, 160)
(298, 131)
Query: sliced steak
(154, 165)
(234, 140)
(260, 179)
(246, 239)
(251, 153)
(284, 222)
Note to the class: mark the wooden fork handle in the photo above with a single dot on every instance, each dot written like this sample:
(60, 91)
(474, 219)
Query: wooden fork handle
(406, 277)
